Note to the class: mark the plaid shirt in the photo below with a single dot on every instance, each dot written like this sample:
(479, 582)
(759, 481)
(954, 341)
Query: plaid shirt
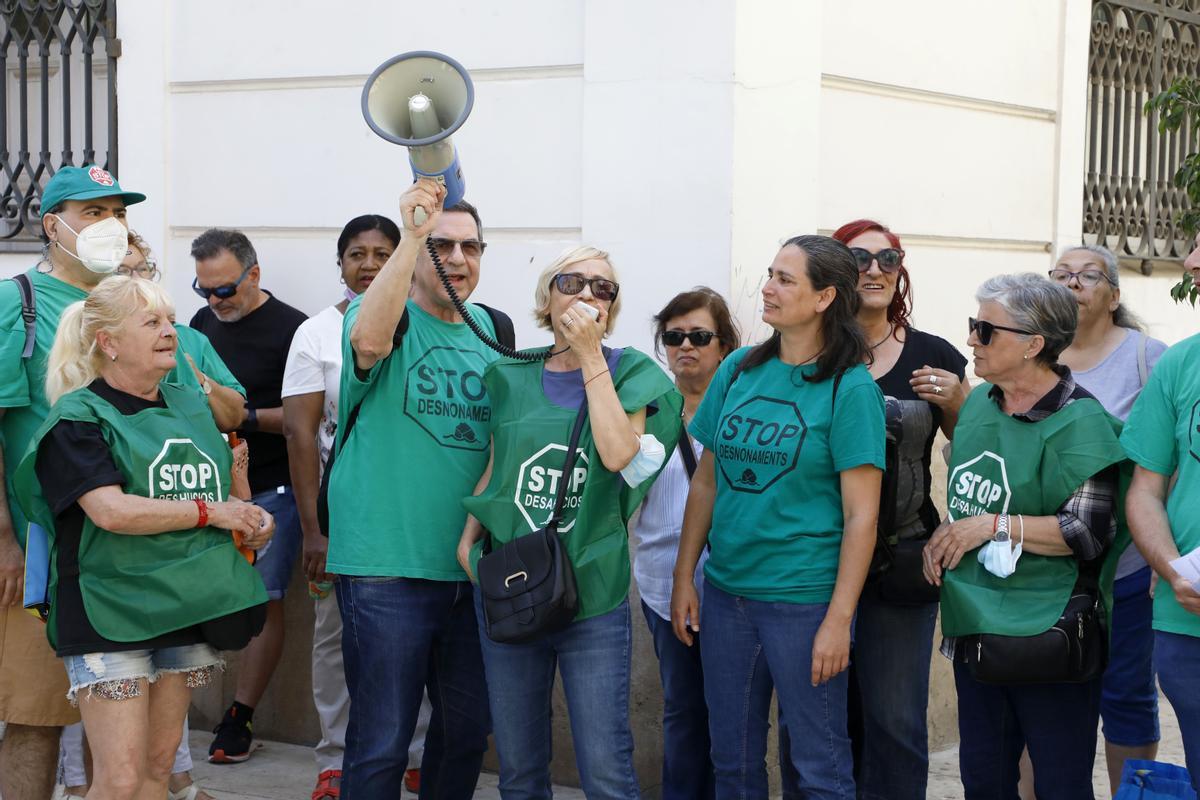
(1087, 518)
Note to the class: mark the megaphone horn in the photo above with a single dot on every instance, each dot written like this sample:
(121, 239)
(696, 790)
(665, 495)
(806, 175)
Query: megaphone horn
(418, 100)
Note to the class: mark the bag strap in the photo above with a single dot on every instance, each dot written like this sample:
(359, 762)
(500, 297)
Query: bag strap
(28, 312)
(687, 453)
(572, 451)
(1143, 372)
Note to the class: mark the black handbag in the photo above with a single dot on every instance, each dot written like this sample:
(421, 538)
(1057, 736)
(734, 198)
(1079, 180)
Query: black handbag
(1073, 650)
(527, 584)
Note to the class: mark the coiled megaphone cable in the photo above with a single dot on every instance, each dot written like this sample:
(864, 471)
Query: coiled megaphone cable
(461, 308)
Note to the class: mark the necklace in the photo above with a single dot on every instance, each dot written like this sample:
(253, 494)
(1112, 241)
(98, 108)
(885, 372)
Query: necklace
(890, 333)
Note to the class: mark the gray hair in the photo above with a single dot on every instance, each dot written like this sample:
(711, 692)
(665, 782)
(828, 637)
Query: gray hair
(1036, 304)
(1122, 317)
(210, 244)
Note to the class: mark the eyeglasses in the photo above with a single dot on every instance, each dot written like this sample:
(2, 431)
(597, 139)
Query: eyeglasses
(984, 330)
(697, 338)
(888, 258)
(148, 270)
(1087, 278)
(471, 248)
(224, 292)
(573, 283)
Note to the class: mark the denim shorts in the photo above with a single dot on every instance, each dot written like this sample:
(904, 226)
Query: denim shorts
(1129, 703)
(276, 560)
(117, 676)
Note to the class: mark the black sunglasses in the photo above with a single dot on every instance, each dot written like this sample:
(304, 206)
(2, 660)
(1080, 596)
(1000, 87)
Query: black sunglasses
(472, 248)
(984, 330)
(889, 258)
(573, 283)
(697, 338)
(223, 292)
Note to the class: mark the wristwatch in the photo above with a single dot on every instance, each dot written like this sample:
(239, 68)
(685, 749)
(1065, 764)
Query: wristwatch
(1002, 528)
(251, 423)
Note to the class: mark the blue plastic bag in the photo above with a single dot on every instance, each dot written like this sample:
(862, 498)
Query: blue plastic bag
(37, 570)
(1154, 780)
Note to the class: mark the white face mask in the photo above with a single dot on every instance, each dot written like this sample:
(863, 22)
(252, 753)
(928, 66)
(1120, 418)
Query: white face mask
(1000, 558)
(101, 246)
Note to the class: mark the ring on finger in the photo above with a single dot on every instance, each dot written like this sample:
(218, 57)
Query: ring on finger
(568, 322)
(937, 389)
(933, 379)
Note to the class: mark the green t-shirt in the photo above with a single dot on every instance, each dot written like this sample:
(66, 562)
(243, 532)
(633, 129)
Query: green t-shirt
(195, 344)
(1162, 434)
(779, 443)
(418, 447)
(23, 381)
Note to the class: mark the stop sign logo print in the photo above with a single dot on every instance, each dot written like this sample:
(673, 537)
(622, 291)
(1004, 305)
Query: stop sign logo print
(101, 176)
(182, 471)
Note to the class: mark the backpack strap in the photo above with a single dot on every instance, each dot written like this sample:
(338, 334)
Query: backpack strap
(505, 332)
(28, 312)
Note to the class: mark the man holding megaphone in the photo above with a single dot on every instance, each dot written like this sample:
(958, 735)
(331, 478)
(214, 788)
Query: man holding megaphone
(412, 441)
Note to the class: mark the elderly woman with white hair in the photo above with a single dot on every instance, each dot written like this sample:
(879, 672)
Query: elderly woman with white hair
(130, 478)
(626, 415)
(1112, 357)
(1021, 557)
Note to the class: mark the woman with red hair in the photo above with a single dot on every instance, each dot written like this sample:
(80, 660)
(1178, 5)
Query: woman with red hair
(922, 379)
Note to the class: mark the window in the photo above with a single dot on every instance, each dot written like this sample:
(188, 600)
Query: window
(58, 102)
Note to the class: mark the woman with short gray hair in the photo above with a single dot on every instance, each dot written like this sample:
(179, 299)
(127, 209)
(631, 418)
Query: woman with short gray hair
(1112, 358)
(1021, 556)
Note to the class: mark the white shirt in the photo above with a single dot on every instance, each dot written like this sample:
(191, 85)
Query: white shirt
(657, 529)
(314, 364)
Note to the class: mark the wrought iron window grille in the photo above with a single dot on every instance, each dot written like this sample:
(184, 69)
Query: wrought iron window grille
(1130, 203)
(58, 102)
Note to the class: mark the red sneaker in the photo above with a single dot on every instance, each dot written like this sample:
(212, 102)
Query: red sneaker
(328, 785)
(412, 780)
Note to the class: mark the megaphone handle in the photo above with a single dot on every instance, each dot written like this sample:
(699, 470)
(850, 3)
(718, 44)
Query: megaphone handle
(419, 213)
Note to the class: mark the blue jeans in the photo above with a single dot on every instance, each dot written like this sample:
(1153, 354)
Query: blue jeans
(401, 636)
(888, 700)
(275, 563)
(749, 648)
(1177, 658)
(1129, 699)
(1056, 721)
(593, 656)
(687, 772)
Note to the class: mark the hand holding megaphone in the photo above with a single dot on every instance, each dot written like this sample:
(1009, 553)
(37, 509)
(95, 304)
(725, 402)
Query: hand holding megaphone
(421, 206)
(418, 100)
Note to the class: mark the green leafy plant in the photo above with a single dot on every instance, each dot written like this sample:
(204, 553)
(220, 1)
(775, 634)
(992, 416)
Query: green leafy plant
(1180, 103)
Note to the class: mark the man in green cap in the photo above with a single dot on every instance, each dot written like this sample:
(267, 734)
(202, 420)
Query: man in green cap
(83, 224)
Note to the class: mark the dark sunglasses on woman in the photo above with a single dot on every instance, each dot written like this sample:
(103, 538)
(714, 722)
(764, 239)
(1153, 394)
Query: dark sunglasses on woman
(573, 283)
(225, 291)
(984, 330)
(888, 258)
(697, 338)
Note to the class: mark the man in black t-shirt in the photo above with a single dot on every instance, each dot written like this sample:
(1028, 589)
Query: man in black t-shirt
(252, 330)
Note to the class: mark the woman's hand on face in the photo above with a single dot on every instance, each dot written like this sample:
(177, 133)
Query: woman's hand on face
(951, 541)
(581, 332)
(830, 651)
(942, 388)
(427, 194)
(685, 610)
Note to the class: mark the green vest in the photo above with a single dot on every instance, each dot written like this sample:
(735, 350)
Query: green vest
(1001, 465)
(138, 587)
(529, 444)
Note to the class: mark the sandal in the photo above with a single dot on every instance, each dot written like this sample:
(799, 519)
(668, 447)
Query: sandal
(189, 792)
(325, 788)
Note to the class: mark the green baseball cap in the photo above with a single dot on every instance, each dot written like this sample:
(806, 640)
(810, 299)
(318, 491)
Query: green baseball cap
(84, 183)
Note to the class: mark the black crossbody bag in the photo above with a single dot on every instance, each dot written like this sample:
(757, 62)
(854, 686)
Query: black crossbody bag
(527, 584)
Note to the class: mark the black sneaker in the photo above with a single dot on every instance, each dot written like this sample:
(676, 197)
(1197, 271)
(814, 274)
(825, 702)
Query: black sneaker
(233, 739)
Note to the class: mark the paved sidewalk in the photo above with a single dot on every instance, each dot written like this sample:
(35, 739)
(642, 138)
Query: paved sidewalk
(286, 772)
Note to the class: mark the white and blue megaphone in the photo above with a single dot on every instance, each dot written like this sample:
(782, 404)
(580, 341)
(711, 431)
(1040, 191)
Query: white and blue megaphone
(417, 100)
